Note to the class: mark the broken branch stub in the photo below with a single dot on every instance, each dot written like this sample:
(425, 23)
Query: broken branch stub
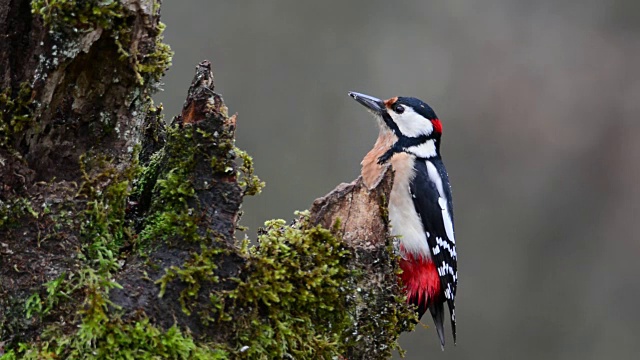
(359, 213)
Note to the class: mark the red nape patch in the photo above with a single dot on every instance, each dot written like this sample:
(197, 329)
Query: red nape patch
(437, 125)
(420, 279)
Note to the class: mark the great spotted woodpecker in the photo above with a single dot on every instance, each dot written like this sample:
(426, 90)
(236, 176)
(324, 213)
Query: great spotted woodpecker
(420, 204)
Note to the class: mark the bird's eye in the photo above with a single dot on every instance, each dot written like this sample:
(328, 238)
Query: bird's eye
(399, 109)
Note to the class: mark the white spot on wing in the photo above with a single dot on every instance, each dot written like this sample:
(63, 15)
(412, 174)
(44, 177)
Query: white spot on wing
(446, 219)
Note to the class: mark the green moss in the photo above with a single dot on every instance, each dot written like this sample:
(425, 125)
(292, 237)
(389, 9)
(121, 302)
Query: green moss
(116, 339)
(95, 213)
(251, 184)
(55, 290)
(174, 207)
(295, 299)
(103, 335)
(144, 183)
(13, 210)
(104, 227)
(153, 66)
(15, 113)
(199, 270)
(225, 155)
(83, 14)
(170, 215)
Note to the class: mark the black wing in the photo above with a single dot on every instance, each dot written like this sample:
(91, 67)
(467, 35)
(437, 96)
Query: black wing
(426, 199)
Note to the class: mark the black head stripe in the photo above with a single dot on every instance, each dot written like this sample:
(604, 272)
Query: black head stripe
(418, 106)
(391, 124)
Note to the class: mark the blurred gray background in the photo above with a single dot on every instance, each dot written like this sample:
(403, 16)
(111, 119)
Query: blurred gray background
(539, 102)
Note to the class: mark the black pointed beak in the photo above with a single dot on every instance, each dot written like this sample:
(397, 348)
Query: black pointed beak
(374, 105)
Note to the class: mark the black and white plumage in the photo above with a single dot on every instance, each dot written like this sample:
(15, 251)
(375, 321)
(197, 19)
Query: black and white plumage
(420, 205)
(435, 209)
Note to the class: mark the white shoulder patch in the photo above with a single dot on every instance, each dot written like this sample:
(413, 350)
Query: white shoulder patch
(442, 201)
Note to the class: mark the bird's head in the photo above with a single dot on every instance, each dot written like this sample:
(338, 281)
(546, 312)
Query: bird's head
(414, 123)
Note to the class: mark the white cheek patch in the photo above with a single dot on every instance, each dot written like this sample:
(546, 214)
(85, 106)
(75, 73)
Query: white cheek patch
(411, 123)
(442, 201)
(424, 150)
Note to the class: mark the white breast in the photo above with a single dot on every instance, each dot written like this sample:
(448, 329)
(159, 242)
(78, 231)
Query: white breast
(405, 221)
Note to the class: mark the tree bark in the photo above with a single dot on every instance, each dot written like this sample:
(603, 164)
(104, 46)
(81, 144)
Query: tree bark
(112, 221)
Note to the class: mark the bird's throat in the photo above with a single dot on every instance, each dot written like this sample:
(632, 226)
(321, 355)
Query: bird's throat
(372, 171)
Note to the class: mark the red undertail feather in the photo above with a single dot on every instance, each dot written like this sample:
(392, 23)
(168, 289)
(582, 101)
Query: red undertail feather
(420, 279)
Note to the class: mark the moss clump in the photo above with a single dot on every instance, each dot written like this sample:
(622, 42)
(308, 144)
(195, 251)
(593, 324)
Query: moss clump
(170, 214)
(168, 179)
(12, 211)
(15, 113)
(251, 184)
(120, 340)
(151, 67)
(294, 301)
(104, 227)
(55, 290)
(103, 335)
(84, 14)
(197, 271)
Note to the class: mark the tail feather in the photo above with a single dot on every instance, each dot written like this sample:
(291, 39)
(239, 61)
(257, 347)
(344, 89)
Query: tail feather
(437, 312)
(453, 328)
(452, 313)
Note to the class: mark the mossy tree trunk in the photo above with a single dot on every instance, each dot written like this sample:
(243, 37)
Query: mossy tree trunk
(117, 232)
